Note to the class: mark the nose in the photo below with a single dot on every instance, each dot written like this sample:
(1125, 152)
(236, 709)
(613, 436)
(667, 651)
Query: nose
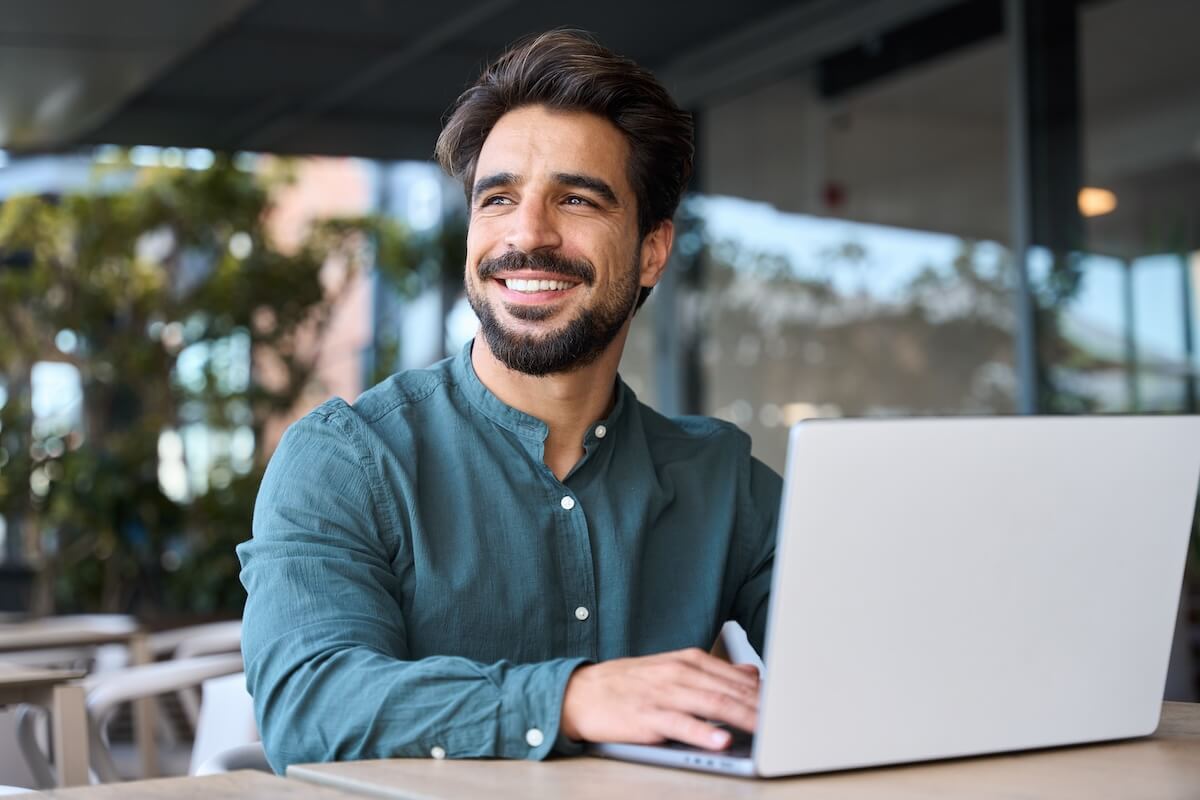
(531, 228)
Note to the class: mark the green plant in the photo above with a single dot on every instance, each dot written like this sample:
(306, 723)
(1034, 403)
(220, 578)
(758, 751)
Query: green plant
(180, 314)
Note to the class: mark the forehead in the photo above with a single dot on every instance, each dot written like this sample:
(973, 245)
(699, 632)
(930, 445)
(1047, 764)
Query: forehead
(535, 141)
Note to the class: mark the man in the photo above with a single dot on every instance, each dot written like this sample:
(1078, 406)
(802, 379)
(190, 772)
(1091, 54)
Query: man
(507, 554)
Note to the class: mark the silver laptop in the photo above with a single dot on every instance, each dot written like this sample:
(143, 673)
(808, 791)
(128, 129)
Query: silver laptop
(953, 587)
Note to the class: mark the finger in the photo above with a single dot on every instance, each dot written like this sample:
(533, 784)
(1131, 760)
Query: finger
(749, 669)
(715, 666)
(711, 705)
(689, 730)
(693, 677)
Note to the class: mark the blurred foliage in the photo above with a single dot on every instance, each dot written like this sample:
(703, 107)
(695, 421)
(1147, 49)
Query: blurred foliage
(172, 264)
(432, 260)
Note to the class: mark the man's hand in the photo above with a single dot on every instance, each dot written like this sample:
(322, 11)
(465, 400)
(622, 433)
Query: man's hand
(667, 696)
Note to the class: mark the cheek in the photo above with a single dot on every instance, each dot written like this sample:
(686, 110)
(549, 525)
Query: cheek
(477, 249)
(473, 237)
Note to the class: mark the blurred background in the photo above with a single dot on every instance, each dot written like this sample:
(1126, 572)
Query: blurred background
(214, 215)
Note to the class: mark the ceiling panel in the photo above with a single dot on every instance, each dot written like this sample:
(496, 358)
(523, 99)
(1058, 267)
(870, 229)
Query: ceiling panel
(350, 20)
(118, 21)
(66, 65)
(311, 76)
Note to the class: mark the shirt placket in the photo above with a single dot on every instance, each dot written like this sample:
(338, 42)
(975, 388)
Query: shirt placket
(578, 575)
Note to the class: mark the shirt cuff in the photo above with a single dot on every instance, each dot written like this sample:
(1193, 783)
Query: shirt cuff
(531, 708)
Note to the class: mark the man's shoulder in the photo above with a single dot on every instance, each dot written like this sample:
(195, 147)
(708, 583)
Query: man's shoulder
(683, 436)
(402, 391)
(393, 395)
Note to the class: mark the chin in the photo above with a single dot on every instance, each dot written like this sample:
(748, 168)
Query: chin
(532, 332)
(534, 318)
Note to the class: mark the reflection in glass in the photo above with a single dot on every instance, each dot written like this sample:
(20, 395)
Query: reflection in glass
(808, 317)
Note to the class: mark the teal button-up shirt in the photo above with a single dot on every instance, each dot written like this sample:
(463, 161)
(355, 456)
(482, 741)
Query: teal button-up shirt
(420, 583)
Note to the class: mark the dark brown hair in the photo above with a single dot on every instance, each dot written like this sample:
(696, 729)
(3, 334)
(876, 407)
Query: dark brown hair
(569, 70)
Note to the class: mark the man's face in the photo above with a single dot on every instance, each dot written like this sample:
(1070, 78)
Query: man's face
(554, 263)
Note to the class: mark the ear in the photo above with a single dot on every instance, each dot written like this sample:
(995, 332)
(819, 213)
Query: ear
(656, 249)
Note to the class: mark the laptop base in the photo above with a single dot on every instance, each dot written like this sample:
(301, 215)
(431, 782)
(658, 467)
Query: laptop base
(734, 761)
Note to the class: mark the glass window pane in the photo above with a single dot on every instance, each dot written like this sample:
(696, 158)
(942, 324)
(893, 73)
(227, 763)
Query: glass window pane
(1093, 365)
(639, 356)
(853, 264)
(1141, 120)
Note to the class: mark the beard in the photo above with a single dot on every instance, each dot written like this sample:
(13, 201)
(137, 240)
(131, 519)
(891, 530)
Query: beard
(577, 343)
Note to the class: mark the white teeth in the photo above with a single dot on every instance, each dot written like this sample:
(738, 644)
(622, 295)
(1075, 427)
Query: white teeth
(521, 285)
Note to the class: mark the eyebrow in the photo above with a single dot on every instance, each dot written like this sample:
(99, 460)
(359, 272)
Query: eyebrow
(493, 181)
(596, 185)
(588, 182)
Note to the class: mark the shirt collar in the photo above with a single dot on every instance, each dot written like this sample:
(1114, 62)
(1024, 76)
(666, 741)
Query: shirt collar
(519, 422)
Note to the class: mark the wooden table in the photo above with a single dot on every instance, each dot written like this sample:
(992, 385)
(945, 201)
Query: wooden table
(92, 631)
(241, 784)
(51, 688)
(84, 630)
(1166, 765)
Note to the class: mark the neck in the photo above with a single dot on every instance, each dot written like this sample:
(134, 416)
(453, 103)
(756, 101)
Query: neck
(569, 403)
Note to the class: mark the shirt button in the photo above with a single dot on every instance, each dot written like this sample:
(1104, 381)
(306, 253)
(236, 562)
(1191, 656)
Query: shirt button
(438, 752)
(534, 737)
(601, 431)
(581, 613)
(567, 502)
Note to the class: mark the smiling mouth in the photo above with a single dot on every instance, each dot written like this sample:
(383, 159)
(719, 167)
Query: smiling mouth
(531, 286)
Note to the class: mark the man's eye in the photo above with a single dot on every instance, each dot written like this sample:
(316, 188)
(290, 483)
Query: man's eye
(495, 200)
(576, 200)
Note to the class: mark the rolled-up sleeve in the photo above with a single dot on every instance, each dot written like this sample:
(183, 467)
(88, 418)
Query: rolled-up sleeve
(324, 635)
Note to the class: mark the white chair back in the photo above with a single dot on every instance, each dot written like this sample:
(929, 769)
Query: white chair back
(226, 719)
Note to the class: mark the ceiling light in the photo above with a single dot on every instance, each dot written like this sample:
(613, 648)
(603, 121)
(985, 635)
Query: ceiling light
(1095, 202)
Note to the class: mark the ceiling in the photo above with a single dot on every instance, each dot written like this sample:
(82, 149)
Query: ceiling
(373, 78)
(360, 77)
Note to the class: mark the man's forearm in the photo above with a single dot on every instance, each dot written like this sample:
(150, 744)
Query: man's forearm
(356, 703)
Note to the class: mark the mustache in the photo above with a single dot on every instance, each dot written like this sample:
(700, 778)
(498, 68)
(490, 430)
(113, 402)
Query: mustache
(547, 261)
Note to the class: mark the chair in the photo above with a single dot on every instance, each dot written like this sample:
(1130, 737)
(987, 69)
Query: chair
(106, 691)
(226, 724)
(197, 640)
(49, 635)
(67, 642)
(244, 756)
(191, 641)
